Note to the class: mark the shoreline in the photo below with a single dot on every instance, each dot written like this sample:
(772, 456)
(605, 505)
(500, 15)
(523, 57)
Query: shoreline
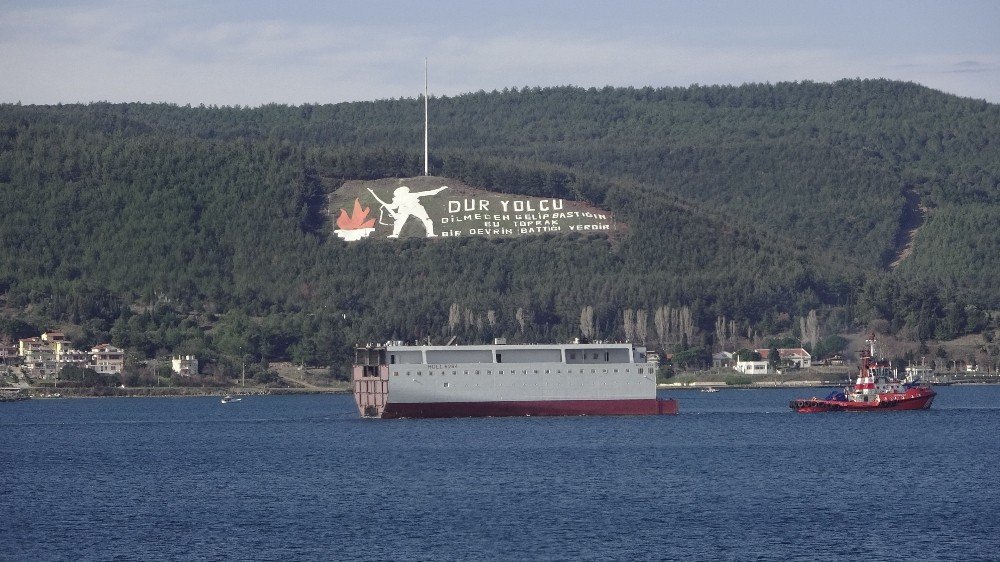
(36, 393)
(167, 392)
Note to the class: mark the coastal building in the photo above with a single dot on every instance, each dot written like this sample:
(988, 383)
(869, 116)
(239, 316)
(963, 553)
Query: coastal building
(35, 350)
(46, 355)
(40, 355)
(107, 359)
(75, 357)
(723, 360)
(185, 365)
(8, 354)
(752, 367)
(793, 357)
(919, 373)
(651, 357)
(836, 360)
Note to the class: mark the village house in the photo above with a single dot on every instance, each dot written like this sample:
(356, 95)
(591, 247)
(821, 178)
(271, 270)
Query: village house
(794, 357)
(836, 360)
(107, 359)
(752, 367)
(8, 354)
(46, 354)
(919, 372)
(185, 365)
(723, 360)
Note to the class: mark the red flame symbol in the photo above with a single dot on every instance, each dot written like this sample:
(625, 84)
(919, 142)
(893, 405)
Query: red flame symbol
(356, 219)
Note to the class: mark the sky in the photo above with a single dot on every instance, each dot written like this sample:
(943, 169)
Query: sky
(254, 52)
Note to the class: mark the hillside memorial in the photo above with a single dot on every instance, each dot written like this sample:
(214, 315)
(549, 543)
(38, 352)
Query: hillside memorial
(381, 211)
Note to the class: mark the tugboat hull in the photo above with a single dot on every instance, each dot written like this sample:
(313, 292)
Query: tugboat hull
(919, 400)
(875, 389)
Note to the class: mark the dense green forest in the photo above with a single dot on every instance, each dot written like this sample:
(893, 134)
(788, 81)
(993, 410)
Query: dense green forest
(206, 230)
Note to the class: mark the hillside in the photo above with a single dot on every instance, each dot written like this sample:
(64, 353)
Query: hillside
(207, 229)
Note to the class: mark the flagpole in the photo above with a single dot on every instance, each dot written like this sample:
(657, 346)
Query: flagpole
(426, 122)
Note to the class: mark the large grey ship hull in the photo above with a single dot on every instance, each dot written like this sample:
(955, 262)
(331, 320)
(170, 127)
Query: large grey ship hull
(506, 380)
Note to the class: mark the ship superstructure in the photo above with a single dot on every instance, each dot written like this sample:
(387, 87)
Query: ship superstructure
(396, 380)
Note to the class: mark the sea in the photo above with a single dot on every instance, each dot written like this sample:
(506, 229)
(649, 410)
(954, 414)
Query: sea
(735, 476)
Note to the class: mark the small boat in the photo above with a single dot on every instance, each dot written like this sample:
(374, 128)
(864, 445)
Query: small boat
(710, 389)
(230, 398)
(876, 388)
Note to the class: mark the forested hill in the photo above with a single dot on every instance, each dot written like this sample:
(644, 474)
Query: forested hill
(206, 229)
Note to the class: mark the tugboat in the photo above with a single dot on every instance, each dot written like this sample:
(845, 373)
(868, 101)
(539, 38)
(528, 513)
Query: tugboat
(875, 389)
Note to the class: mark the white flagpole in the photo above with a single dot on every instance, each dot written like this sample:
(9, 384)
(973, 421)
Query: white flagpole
(426, 123)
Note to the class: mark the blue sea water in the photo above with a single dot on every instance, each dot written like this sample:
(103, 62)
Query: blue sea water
(735, 476)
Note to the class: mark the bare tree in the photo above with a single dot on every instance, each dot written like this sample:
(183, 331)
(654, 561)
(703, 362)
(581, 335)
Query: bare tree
(628, 322)
(454, 316)
(587, 322)
(641, 325)
(661, 321)
(812, 327)
(519, 316)
(685, 324)
(720, 332)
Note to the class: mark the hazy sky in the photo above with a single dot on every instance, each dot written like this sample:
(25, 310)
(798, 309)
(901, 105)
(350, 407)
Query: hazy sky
(229, 52)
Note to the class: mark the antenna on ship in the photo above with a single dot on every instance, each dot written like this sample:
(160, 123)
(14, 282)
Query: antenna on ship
(426, 122)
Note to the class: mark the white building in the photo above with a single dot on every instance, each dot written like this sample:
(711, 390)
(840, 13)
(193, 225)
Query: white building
(919, 372)
(186, 365)
(752, 367)
(796, 356)
(107, 359)
(48, 354)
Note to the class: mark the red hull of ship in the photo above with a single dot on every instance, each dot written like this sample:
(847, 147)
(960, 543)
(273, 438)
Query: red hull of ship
(917, 401)
(650, 406)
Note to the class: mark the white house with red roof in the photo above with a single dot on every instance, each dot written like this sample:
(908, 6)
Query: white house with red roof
(796, 356)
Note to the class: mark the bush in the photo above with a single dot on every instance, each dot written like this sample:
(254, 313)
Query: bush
(738, 380)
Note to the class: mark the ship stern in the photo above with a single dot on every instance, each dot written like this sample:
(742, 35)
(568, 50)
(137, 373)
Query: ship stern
(370, 377)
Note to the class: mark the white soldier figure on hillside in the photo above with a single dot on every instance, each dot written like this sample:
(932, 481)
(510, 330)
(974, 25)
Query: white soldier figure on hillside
(405, 204)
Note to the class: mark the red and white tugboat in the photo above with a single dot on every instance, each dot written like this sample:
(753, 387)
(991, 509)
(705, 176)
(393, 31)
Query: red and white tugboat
(877, 388)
